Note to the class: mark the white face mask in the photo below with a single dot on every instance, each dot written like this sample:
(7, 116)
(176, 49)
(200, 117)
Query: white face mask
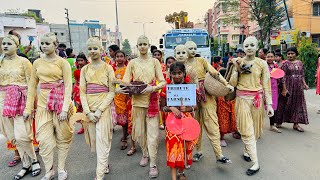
(47, 45)
(191, 48)
(180, 53)
(143, 46)
(94, 51)
(9, 47)
(250, 46)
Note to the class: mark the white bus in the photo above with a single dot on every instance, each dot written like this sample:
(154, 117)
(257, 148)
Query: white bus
(180, 36)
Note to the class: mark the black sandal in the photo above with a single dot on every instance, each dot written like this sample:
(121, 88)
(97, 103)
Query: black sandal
(247, 158)
(36, 172)
(27, 171)
(251, 172)
(124, 144)
(224, 160)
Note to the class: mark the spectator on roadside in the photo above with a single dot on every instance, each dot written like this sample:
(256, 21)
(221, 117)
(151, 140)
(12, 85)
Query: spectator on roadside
(230, 56)
(62, 49)
(112, 52)
(71, 60)
(262, 53)
(240, 53)
(225, 60)
(26, 49)
(153, 48)
(217, 62)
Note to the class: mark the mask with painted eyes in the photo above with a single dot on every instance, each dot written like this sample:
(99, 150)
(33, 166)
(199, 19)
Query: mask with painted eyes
(250, 46)
(48, 43)
(9, 47)
(94, 48)
(191, 48)
(143, 45)
(180, 53)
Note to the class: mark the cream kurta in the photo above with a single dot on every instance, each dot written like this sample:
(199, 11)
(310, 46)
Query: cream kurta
(250, 119)
(145, 129)
(99, 134)
(103, 76)
(44, 71)
(15, 72)
(51, 132)
(16, 130)
(145, 71)
(206, 112)
(202, 66)
(258, 80)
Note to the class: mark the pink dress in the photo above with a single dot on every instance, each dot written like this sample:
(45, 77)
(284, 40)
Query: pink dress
(274, 88)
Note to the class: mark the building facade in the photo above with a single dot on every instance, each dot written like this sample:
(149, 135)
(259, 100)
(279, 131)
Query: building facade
(25, 26)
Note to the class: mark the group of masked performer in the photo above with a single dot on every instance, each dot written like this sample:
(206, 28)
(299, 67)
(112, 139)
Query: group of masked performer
(102, 90)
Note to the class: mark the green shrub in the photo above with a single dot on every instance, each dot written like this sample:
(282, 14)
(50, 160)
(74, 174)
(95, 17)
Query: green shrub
(308, 54)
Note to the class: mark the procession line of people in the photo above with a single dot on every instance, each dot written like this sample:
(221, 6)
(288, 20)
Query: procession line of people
(101, 92)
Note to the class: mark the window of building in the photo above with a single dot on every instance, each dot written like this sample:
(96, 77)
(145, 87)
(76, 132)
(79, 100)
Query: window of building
(224, 37)
(316, 40)
(55, 33)
(235, 37)
(316, 9)
(62, 34)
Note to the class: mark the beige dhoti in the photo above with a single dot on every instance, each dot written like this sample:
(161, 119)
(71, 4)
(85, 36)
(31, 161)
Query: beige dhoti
(250, 122)
(18, 132)
(53, 133)
(99, 139)
(145, 131)
(206, 114)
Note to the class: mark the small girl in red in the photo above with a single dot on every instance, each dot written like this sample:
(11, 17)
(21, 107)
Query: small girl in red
(174, 143)
(80, 62)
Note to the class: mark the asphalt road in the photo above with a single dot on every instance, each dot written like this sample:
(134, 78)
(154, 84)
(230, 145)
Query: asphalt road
(287, 156)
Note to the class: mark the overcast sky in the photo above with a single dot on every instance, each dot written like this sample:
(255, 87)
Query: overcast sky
(129, 11)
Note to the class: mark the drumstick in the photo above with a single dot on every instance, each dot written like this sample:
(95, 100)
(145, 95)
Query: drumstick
(181, 100)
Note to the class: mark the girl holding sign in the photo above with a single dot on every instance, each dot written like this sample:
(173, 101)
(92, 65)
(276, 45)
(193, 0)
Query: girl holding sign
(174, 143)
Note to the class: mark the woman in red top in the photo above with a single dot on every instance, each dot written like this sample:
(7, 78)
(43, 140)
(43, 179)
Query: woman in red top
(80, 62)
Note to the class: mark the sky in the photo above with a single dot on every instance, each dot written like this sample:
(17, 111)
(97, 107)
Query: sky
(129, 11)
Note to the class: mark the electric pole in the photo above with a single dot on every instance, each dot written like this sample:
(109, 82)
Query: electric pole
(285, 6)
(67, 17)
(117, 26)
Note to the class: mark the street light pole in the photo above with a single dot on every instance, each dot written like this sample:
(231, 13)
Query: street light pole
(143, 26)
(68, 21)
(117, 27)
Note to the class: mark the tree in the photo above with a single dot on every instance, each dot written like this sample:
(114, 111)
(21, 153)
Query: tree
(267, 13)
(308, 55)
(126, 48)
(32, 15)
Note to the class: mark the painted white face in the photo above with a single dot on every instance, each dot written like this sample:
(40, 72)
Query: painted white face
(9, 47)
(94, 50)
(191, 48)
(47, 45)
(250, 46)
(143, 45)
(180, 53)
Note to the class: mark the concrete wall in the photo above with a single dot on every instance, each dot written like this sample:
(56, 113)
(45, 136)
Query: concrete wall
(79, 36)
(61, 31)
(302, 13)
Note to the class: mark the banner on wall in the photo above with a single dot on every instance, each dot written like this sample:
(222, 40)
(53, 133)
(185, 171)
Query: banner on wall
(290, 37)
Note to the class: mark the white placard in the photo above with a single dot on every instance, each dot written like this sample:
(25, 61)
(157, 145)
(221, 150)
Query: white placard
(181, 93)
